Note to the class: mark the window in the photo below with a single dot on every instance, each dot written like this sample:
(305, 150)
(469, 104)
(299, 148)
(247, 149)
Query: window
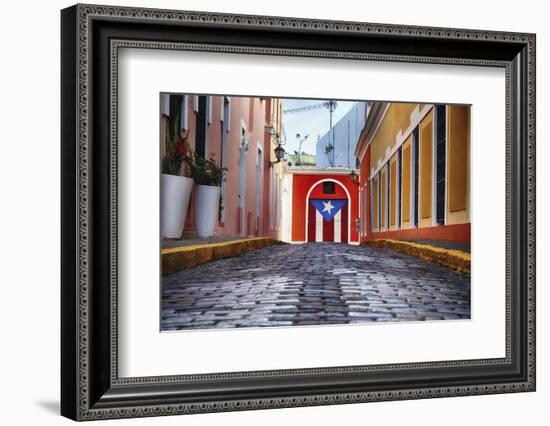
(440, 149)
(175, 113)
(415, 179)
(392, 171)
(406, 184)
(387, 196)
(375, 204)
(224, 128)
(175, 110)
(384, 198)
(329, 188)
(173, 118)
(426, 169)
(379, 200)
(200, 137)
(399, 184)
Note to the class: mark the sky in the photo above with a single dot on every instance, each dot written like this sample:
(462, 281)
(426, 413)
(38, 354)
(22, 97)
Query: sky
(313, 123)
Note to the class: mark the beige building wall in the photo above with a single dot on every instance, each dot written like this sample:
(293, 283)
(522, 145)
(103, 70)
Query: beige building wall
(397, 118)
(458, 164)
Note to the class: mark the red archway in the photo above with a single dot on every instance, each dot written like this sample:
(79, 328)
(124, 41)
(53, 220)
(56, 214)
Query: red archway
(318, 229)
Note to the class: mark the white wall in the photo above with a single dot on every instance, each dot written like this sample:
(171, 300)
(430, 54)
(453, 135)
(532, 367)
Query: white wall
(286, 207)
(344, 138)
(29, 225)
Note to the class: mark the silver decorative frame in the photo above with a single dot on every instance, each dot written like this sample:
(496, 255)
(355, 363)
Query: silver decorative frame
(78, 340)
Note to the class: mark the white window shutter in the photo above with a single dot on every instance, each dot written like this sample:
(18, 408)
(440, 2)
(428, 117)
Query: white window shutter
(228, 126)
(184, 108)
(195, 103)
(165, 104)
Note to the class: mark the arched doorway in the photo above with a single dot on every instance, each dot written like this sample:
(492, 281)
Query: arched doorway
(328, 212)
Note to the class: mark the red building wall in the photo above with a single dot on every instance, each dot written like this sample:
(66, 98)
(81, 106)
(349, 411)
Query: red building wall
(458, 233)
(364, 172)
(302, 183)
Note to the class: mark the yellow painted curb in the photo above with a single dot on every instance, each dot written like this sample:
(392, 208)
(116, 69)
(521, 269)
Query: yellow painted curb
(454, 259)
(178, 258)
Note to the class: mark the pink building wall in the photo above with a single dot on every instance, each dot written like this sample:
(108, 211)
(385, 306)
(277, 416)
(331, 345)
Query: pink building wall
(247, 113)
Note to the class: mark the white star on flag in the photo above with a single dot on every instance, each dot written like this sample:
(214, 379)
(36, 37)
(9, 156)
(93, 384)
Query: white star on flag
(328, 206)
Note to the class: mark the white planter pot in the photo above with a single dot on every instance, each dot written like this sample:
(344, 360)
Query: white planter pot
(207, 199)
(175, 192)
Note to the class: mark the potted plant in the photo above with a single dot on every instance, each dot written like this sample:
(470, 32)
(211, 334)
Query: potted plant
(175, 187)
(208, 176)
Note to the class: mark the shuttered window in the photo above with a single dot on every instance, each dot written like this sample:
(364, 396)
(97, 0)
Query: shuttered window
(441, 157)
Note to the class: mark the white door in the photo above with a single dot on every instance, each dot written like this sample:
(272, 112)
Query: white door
(242, 181)
(259, 184)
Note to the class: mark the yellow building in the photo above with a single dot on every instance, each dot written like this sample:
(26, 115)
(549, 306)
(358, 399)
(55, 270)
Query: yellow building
(415, 172)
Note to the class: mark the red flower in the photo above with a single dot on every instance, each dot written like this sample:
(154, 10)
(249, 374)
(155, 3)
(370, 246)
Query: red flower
(179, 149)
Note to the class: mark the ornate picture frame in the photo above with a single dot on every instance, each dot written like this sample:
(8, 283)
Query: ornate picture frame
(91, 37)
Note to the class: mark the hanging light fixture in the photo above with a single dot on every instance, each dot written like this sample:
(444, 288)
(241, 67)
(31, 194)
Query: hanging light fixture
(279, 154)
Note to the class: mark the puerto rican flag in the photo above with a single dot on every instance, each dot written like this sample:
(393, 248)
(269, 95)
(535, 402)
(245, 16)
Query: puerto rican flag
(328, 220)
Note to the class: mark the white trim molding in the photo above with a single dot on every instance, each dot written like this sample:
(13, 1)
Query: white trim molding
(306, 170)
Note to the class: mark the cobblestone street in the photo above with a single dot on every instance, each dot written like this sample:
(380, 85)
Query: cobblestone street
(311, 284)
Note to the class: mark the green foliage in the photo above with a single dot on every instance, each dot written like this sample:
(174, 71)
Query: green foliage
(298, 158)
(177, 147)
(220, 207)
(328, 149)
(205, 171)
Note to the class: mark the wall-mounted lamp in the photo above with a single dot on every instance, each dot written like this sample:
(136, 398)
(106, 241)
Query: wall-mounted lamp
(279, 154)
(354, 177)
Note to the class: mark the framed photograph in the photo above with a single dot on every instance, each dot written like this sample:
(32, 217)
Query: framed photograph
(263, 212)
